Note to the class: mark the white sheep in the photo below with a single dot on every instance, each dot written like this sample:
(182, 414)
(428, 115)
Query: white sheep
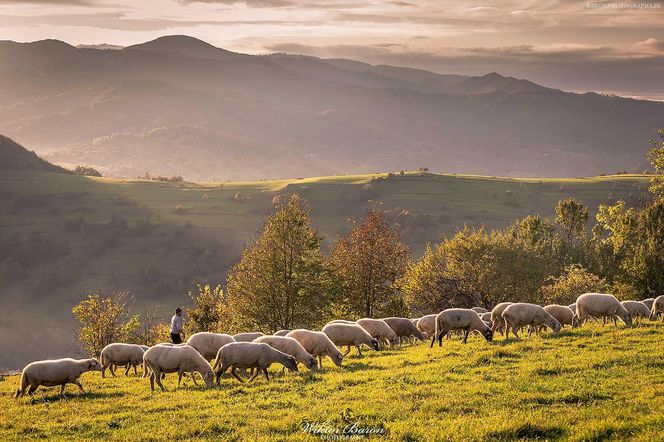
(404, 328)
(649, 302)
(250, 355)
(318, 344)
(340, 321)
(281, 332)
(178, 358)
(120, 353)
(208, 344)
(349, 335)
(637, 310)
(379, 330)
(427, 325)
(601, 304)
(497, 317)
(290, 346)
(247, 337)
(55, 372)
(523, 314)
(480, 310)
(657, 308)
(463, 319)
(563, 314)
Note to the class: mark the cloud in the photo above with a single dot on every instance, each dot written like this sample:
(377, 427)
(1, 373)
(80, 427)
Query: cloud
(249, 3)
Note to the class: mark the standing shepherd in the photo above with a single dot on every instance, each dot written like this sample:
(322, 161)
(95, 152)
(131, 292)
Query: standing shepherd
(177, 335)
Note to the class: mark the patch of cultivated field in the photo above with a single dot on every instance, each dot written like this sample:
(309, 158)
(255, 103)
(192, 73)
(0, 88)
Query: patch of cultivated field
(593, 383)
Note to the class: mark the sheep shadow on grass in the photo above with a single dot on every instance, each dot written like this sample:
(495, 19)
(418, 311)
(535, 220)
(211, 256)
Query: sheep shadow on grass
(49, 397)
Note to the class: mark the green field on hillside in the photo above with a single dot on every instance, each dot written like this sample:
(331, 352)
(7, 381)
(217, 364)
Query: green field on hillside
(590, 384)
(64, 235)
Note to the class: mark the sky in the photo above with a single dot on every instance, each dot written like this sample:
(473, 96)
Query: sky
(609, 47)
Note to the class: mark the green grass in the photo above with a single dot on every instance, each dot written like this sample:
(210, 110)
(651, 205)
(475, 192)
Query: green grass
(589, 384)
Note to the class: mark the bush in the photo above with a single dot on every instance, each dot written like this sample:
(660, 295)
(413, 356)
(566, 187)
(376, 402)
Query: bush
(86, 171)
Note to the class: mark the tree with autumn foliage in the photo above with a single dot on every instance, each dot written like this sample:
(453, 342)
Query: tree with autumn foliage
(104, 319)
(281, 281)
(366, 263)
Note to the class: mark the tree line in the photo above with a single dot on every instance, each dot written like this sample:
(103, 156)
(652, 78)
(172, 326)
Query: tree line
(284, 280)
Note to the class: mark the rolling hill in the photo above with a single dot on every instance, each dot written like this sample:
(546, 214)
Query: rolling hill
(63, 235)
(180, 106)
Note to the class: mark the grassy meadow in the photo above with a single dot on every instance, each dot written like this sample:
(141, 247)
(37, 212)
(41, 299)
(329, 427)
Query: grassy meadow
(590, 384)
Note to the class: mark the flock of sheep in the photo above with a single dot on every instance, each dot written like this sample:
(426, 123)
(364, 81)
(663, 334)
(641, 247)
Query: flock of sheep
(256, 351)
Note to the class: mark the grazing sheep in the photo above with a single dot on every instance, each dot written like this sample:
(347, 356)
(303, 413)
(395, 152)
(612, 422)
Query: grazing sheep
(427, 325)
(340, 321)
(649, 302)
(404, 328)
(637, 310)
(479, 310)
(657, 308)
(563, 314)
(120, 354)
(497, 317)
(349, 335)
(179, 358)
(250, 355)
(281, 333)
(523, 314)
(379, 330)
(247, 337)
(208, 344)
(459, 319)
(318, 344)
(55, 372)
(486, 317)
(600, 304)
(291, 347)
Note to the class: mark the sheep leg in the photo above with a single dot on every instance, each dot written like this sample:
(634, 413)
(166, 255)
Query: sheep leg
(515, 329)
(442, 333)
(433, 340)
(256, 373)
(111, 368)
(179, 377)
(193, 378)
(127, 370)
(507, 329)
(135, 370)
(234, 373)
(466, 332)
(320, 362)
(615, 322)
(266, 375)
(78, 384)
(157, 376)
(347, 351)
(358, 349)
(152, 381)
(32, 389)
(220, 372)
(62, 389)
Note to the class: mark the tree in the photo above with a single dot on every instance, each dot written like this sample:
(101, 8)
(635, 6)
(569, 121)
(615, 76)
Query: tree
(280, 281)
(572, 217)
(209, 310)
(149, 329)
(368, 261)
(104, 320)
(656, 157)
(574, 282)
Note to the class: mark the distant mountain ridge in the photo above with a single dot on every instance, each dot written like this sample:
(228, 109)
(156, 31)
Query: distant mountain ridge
(180, 106)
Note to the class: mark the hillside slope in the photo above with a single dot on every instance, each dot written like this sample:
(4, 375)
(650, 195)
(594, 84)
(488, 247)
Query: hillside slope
(179, 106)
(63, 235)
(577, 386)
(13, 156)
